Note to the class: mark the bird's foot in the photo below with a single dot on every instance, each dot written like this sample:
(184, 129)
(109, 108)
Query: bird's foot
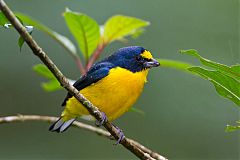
(104, 119)
(121, 135)
(120, 132)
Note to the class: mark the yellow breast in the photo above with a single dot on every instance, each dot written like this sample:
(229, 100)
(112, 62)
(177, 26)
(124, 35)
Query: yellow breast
(113, 95)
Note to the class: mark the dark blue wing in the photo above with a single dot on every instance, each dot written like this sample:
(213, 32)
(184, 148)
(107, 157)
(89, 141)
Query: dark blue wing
(95, 73)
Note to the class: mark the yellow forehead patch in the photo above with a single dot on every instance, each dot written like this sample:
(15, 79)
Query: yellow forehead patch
(146, 54)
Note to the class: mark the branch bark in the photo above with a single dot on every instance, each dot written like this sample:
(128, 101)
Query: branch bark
(64, 82)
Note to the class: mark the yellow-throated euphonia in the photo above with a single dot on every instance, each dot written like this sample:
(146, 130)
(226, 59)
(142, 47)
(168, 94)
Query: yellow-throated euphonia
(113, 85)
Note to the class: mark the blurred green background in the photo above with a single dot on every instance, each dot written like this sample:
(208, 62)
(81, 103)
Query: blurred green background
(184, 117)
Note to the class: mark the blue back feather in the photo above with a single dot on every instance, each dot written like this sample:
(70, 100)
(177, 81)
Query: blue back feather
(124, 58)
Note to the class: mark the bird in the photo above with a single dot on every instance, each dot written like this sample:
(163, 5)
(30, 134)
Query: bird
(112, 84)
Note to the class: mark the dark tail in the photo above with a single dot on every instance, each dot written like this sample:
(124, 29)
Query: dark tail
(60, 125)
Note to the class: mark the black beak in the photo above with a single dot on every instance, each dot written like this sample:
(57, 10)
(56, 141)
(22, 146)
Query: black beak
(151, 63)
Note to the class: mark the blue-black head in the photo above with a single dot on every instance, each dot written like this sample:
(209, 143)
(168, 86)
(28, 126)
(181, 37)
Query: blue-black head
(133, 58)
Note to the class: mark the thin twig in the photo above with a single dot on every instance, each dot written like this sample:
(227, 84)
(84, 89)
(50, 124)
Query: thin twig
(22, 118)
(77, 124)
(64, 82)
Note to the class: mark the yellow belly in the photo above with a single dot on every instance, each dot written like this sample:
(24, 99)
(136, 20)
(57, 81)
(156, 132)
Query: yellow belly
(113, 95)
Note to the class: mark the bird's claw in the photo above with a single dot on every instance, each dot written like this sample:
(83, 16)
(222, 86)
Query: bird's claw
(104, 119)
(121, 135)
(120, 132)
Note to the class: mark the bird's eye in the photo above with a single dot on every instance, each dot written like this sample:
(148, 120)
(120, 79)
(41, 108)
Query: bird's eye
(138, 58)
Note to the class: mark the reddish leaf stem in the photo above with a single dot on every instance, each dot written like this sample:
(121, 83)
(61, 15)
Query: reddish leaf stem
(95, 55)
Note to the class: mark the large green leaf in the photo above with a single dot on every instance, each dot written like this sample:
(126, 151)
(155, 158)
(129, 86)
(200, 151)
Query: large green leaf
(119, 26)
(226, 86)
(85, 30)
(232, 71)
(64, 41)
(226, 79)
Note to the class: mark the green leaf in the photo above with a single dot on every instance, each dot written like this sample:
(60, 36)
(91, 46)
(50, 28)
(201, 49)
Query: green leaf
(174, 64)
(137, 33)
(64, 41)
(226, 86)
(231, 128)
(119, 26)
(85, 30)
(4, 22)
(43, 71)
(3, 19)
(20, 20)
(21, 40)
(224, 78)
(136, 110)
(52, 84)
(232, 71)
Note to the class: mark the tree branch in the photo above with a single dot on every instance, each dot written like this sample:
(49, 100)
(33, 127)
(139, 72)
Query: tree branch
(77, 124)
(64, 82)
